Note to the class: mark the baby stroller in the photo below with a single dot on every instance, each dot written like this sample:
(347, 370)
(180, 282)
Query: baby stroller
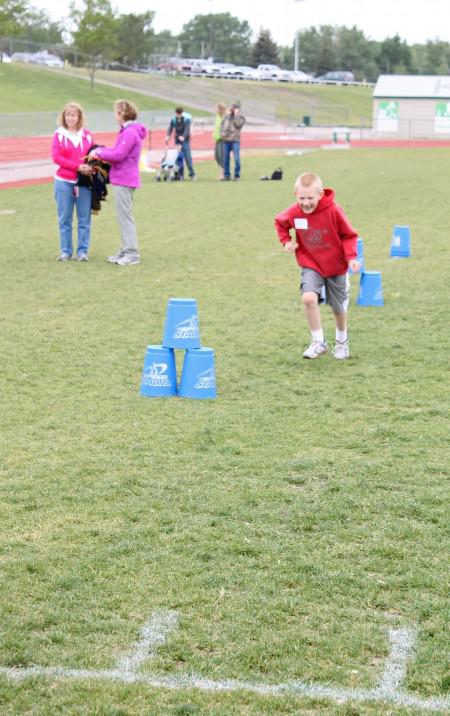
(171, 167)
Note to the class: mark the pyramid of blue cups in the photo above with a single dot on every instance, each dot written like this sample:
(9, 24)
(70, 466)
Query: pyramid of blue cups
(182, 333)
(370, 285)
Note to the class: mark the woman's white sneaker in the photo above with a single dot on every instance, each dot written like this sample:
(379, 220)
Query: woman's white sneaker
(316, 349)
(114, 259)
(341, 350)
(128, 260)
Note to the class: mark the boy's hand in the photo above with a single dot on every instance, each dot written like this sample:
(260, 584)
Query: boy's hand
(354, 265)
(290, 246)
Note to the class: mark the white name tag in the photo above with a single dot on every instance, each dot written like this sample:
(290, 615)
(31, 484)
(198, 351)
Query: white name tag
(301, 223)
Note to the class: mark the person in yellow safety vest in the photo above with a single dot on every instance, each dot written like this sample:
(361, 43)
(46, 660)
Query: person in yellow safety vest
(217, 136)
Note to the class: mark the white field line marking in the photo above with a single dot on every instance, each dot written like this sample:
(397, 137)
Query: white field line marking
(153, 634)
(402, 646)
(402, 643)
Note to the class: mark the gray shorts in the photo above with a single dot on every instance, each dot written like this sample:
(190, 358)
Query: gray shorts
(334, 290)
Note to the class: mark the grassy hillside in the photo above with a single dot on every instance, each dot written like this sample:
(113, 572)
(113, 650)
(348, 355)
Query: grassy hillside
(39, 89)
(269, 101)
(28, 88)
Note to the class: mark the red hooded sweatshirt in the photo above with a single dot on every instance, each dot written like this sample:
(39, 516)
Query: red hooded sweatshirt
(326, 241)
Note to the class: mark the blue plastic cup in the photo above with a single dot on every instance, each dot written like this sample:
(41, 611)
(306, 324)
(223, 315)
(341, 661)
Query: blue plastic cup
(370, 289)
(181, 329)
(198, 379)
(159, 377)
(401, 242)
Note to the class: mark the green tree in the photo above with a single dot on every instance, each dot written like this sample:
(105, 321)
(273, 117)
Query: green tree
(394, 56)
(39, 28)
(135, 38)
(353, 51)
(265, 51)
(220, 35)
(286, 57)
(12, 15)
(309, 44)
(437, 58)
(326, 59)
(165, 44)
(96, 32)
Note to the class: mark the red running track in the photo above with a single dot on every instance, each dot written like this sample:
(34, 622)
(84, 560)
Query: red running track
(28, 149)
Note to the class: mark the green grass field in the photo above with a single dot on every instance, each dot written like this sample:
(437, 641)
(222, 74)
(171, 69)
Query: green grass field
(291, 522)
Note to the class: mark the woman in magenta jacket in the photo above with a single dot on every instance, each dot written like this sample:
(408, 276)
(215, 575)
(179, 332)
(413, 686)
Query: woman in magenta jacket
(124, 176)
(71, 144)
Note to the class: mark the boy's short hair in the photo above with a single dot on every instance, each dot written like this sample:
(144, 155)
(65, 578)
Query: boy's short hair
(308, 179)
(126, 109)
(179, 110)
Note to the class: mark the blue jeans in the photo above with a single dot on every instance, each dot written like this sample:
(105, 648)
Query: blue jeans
(66, 201)
(229, 147)
(186, 149)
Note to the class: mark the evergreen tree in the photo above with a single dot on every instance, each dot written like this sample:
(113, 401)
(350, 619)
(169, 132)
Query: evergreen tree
(265, 51)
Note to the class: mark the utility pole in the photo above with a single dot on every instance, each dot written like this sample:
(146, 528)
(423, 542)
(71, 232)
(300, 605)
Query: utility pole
(296, 46)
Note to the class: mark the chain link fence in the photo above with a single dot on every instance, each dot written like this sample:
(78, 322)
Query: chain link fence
(26, 124)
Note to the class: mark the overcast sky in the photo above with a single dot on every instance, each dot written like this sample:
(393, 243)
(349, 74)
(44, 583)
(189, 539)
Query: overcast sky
(378, 19)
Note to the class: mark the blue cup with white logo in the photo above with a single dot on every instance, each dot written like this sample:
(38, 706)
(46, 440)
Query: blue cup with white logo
(198, 377)
(181, 328)
(159, 376)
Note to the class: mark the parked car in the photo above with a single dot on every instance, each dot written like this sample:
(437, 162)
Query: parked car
(341, 78)
(299, 76)
(273, 72)
(194, 67)
(240, 72)
(217, 69)
(243, 72)
(47, 59)
(22, 57)
(168, 67)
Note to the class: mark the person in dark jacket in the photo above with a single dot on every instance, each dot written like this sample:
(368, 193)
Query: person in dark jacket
(180, 126)
(231, 127)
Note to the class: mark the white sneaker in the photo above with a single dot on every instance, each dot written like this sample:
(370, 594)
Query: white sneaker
(127, 260)
(316, 349)
(341, 350)
(114, 259)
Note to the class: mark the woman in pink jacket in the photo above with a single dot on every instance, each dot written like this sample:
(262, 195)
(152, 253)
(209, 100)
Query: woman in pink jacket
(124, 176)
(71, 144)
